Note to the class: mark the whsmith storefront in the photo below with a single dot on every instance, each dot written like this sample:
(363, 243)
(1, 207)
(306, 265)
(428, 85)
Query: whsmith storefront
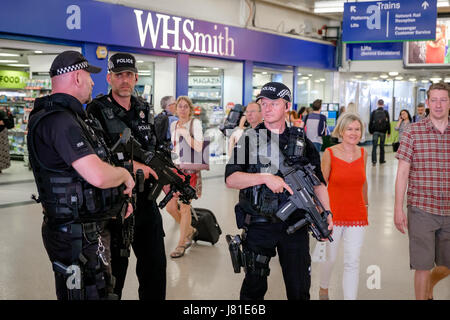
(216, 65)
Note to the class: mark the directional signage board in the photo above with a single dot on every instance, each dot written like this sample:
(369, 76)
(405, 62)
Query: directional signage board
(388, 21)
(375, 51)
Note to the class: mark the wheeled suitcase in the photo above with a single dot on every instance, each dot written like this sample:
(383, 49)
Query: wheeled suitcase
(206, 224)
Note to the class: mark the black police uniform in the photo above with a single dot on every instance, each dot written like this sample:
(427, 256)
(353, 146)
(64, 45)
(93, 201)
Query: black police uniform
(265, 234)
(148, 242)
(74, 211)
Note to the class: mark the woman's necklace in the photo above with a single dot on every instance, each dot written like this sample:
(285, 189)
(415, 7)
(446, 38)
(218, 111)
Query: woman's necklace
(349, 155)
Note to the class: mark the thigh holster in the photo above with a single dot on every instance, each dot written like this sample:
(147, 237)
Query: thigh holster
(255, 263)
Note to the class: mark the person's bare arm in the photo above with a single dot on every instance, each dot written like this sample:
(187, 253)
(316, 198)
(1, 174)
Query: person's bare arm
(101, 174)
(365, 186)
(325, 164)
(401, 182)
(242, 180)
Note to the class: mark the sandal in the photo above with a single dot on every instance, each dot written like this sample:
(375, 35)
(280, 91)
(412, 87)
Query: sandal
(323, 295)
(190, 237)
(178, 252)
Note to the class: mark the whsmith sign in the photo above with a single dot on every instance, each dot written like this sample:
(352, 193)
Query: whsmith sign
(384, 21)
(157, 28)
(115, 25)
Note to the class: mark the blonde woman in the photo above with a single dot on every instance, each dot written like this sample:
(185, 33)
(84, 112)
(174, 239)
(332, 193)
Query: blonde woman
(344, 168)
(191, 131)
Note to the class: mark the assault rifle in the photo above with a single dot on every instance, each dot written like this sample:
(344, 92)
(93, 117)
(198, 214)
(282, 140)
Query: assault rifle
(302, 180)
(161, 162)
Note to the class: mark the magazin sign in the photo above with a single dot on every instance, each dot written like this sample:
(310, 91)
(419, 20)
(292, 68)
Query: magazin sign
(384, 21)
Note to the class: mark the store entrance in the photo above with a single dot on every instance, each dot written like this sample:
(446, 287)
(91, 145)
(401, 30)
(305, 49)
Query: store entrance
(24, 76)
(262, 75)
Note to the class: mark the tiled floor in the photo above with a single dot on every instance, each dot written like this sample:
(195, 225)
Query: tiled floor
(205, 271)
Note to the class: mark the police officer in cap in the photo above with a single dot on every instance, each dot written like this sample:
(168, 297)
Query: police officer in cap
(118, 110)
(264, 233)
(78, 190)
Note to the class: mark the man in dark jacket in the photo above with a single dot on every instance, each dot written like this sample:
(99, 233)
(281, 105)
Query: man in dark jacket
(379, 125)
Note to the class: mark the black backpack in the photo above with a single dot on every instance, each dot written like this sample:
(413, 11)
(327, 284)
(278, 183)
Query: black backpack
(379, 121)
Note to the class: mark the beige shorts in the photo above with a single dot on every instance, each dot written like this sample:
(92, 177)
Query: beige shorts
(429, 239)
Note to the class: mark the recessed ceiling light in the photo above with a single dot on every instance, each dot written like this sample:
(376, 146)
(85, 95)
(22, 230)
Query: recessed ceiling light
(425, 81)
(412, 79)
(358, 76)
(9, 61)
(140, 61)
(393, 73)
(3, 54)
(384, 76)
(38, 51)
(305, 78)
(435, 79)
(18, 65)
(399, 78)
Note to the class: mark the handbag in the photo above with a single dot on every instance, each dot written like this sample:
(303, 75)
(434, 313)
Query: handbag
(191, 159)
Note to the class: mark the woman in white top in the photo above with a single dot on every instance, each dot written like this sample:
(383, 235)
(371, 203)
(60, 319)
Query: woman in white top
(194, 137)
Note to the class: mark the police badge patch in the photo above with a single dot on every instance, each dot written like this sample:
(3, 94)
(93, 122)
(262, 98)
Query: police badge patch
(142, 114)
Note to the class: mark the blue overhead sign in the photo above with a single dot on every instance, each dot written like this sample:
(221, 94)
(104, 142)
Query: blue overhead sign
(386, 21)
(375, 51)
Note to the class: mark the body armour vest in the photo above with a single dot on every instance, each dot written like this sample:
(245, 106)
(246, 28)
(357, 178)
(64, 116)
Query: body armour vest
(116, 121)
(260, 200)
(64, 194)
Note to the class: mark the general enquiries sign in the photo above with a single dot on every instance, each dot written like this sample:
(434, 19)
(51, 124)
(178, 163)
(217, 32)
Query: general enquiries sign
(385, 21)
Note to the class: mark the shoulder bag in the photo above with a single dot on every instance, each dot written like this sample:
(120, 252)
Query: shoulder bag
(191, 159)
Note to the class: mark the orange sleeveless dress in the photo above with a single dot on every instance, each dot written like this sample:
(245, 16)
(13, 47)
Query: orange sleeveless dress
(345, 189)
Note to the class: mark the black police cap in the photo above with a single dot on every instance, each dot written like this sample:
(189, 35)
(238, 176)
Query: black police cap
(69, 61)
(121, 62)
(275, 90)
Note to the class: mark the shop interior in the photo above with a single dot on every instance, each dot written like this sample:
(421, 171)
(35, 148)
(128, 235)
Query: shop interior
(24, 77)
(215, 85)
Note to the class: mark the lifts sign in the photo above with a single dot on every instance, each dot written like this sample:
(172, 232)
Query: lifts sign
(180, 34)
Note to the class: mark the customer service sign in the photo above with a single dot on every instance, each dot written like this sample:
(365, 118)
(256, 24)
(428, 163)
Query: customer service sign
(385, 21)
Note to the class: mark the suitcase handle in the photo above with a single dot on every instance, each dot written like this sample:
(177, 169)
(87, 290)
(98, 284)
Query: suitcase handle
(194, 213)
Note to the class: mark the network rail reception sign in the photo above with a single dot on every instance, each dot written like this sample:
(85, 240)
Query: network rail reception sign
(386, 21)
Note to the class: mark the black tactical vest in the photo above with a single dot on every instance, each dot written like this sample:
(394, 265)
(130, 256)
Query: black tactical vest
(260, 200)
(116, 121)
(64, 194)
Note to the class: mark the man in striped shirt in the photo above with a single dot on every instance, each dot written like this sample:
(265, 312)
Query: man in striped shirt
(424, 172)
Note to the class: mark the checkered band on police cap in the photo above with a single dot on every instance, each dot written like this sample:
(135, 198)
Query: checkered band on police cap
(79, 66)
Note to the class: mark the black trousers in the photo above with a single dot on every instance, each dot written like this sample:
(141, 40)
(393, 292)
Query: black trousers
(148, 246)
(375, 137)
(293, 253)
(58, 245)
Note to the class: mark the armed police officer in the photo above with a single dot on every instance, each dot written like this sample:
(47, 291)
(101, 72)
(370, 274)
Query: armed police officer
(78, 190)
(116, 111)
(263, 192)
